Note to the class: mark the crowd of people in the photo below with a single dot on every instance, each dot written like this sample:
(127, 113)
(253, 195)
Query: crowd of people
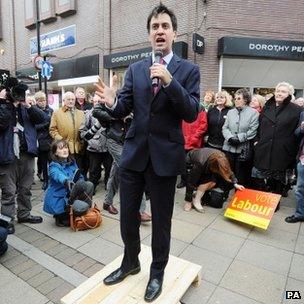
(140, 137)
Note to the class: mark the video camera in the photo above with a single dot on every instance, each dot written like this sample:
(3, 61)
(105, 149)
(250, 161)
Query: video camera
(15, 89)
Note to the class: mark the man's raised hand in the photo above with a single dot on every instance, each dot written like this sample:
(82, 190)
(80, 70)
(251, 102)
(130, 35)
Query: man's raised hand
(107, 94)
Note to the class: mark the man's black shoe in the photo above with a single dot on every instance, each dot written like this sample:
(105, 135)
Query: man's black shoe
(293, 219)
(33, 219)
(119, 275)
(153, 290)
(182, 184)
(10, 228)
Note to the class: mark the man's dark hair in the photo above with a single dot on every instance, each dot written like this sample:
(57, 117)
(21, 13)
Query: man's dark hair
(246, 95)
(162, 9)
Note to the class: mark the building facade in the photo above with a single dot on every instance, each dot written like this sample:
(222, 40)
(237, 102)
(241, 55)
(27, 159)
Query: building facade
(253, 44)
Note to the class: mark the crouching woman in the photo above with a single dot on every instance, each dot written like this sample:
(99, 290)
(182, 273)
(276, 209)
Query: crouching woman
(62, 190)
(210, 169)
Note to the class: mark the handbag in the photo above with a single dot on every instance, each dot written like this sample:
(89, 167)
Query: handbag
(246, 152)
(214, 198)
(90, 220)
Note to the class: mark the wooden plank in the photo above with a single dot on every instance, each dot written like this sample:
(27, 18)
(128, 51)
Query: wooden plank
(179, 275)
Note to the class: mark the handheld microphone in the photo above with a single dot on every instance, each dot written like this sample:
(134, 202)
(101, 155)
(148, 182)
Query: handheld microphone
(158, 55)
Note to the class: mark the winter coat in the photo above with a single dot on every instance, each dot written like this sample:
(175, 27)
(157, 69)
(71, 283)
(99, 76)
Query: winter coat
(98, 142)
(43, 134)
(216, 119)
(194, 132)
(55, 198)
(28, 118)
(277, 144)
(243, 124)
(65, 125)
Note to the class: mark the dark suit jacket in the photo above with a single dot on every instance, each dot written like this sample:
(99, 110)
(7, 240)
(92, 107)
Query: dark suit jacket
(155, 132)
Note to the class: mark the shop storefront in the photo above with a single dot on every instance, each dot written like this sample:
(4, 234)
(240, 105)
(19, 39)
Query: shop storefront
(259, 64)
(67, 75)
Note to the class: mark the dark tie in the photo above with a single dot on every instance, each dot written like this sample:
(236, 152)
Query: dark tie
(157, 88)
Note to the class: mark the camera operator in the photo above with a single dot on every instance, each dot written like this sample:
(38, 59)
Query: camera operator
(18, 141)
(116, 130)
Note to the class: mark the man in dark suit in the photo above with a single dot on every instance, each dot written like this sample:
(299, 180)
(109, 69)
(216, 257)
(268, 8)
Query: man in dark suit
(153, 153)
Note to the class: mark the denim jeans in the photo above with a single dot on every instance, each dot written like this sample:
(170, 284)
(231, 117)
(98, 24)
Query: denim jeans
(300, 192)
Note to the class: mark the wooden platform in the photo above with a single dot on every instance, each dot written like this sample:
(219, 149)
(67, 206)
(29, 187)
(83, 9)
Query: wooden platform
(179, 275)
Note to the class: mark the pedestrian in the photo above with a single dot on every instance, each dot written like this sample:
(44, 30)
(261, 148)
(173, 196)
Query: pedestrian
(44, 138)
(65, 124)
(153, 153)
(94, 134)
(276, 143)
(239, 130)
(18, 142)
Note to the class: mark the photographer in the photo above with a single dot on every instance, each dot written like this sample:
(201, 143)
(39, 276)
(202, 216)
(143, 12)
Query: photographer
(18, 142)
(116, 130)
(93, 133)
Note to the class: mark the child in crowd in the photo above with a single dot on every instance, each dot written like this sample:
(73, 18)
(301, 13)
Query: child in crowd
(66, 184)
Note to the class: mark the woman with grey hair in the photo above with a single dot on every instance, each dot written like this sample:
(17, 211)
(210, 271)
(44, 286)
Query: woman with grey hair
(276, 144)
(238, 130)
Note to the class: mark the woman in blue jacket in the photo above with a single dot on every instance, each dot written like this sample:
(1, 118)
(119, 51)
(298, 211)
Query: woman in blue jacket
(62, 174)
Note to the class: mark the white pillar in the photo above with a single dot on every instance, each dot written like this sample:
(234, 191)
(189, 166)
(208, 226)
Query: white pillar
(220, 82)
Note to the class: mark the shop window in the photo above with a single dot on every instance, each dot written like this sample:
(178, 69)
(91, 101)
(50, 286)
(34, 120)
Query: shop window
(47, 11)
(65, 8)
(30, 16)
(120, 73)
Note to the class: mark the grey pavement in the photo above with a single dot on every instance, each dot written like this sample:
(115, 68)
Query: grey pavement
(240, 264)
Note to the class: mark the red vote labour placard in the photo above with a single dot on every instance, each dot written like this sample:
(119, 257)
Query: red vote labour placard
(253, 207)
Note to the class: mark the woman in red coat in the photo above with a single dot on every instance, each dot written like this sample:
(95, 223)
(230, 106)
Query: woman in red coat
(194, 135)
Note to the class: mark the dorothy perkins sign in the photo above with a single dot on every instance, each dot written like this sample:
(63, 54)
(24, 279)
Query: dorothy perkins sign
(254, 47)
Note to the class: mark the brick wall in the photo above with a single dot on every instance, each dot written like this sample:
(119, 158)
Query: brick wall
(105, 26)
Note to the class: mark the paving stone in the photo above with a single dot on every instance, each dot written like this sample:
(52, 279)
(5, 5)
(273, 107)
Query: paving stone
(231, 227)
(93, 269)
(62, 255)
(297, 267)
(213, 265)
(101, 250)
(31, 236)
(40, 278)
(50, 285)
(267, 257)
(254, 282)
(84, 264)
(219, 242)
(45, 243)
(196, 218)
(185, 232)
(20, 228)
(274, 237)
(11, 253)
(55, 250)
(29, 273)
(176, 246)
(23, 266)
(300, 245)
(302, 228)
(59, 292)
(200, 294)
(15, 291)
(71, 238)
(11, 263)
(224, 296)
(74, 259)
